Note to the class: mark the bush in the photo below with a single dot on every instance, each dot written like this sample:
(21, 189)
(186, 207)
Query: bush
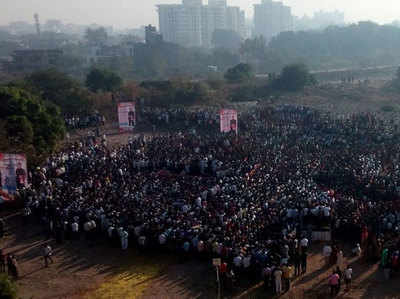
(59, 89)
(294, 77)
(239, 73)
(105, 80)
(8, 289)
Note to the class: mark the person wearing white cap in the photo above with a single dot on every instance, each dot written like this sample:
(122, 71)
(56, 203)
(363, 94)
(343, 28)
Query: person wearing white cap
(357, 250)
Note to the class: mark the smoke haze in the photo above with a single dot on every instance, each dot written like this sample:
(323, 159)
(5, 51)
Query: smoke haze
(134, 13)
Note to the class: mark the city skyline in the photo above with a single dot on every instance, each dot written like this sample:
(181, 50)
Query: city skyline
(128, 14)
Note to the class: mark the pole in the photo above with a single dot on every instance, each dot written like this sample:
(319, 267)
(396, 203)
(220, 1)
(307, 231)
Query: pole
(219, 283)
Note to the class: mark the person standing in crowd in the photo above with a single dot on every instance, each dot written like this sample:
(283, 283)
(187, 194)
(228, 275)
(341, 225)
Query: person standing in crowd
(2, 227)
(12, 266)
(286, 276)
(304, 244)
(75, 230)
(340, 273)
(326, 253)
(238, 263)
(334, 283)
(26, 215)
(3, 260)
(297, 262)
(15, 267)
(278, 280)
(304, 262)
(357, 250)
(20, 174)
(348, 274)
(124, 239)
(9, 264)
(340, 260)
(47, 255)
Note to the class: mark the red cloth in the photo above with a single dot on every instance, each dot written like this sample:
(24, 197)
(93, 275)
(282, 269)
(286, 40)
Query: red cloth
(223, 268)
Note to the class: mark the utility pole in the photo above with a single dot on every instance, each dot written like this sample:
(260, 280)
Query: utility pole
(217, 263)
(37, 23)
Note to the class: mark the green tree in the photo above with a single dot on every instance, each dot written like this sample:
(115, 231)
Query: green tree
(8, 289)
(59, 89)
(239, 73)
(31, 125)
(19, 130)
(294, 77)
(99, 79)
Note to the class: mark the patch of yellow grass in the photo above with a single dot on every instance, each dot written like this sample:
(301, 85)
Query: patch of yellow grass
(132, 278)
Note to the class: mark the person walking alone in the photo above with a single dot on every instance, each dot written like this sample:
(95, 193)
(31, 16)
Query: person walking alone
(47, 253)
(348, 273)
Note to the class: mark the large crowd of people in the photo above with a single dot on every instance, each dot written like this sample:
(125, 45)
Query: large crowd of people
(253, 200)
(179, 118)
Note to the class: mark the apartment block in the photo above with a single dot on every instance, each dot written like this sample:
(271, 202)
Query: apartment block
(272, 18)
(192, 24)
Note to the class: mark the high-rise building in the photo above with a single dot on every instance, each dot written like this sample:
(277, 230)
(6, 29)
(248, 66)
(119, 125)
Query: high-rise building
(192, 2)
(272, 18)
(236, 20)
(192, 24)
(217, 3)
(181, 24)
(152, 37)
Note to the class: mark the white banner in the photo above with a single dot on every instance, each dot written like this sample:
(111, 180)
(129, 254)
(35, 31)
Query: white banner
(126, 116)
(228, 120)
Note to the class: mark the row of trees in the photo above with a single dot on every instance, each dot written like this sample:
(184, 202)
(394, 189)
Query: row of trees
(357, 45)
(294, 77)
(32, 109)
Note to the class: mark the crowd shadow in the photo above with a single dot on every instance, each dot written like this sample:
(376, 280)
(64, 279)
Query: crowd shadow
(189, 279)
(182, 277)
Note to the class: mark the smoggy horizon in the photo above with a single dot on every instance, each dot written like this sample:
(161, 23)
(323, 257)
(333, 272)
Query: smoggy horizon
(128, 14)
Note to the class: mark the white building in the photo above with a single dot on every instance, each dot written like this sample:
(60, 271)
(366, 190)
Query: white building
(181, 24)
(272, 18)
(192, 24)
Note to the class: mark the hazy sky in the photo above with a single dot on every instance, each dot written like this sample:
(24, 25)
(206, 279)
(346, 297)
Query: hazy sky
(134, 13)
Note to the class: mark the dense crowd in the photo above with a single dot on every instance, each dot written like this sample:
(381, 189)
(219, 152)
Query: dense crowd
(254, 199)
(179, 117)
(84, 121)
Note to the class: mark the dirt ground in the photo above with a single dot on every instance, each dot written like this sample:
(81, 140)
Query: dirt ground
(80, 271)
